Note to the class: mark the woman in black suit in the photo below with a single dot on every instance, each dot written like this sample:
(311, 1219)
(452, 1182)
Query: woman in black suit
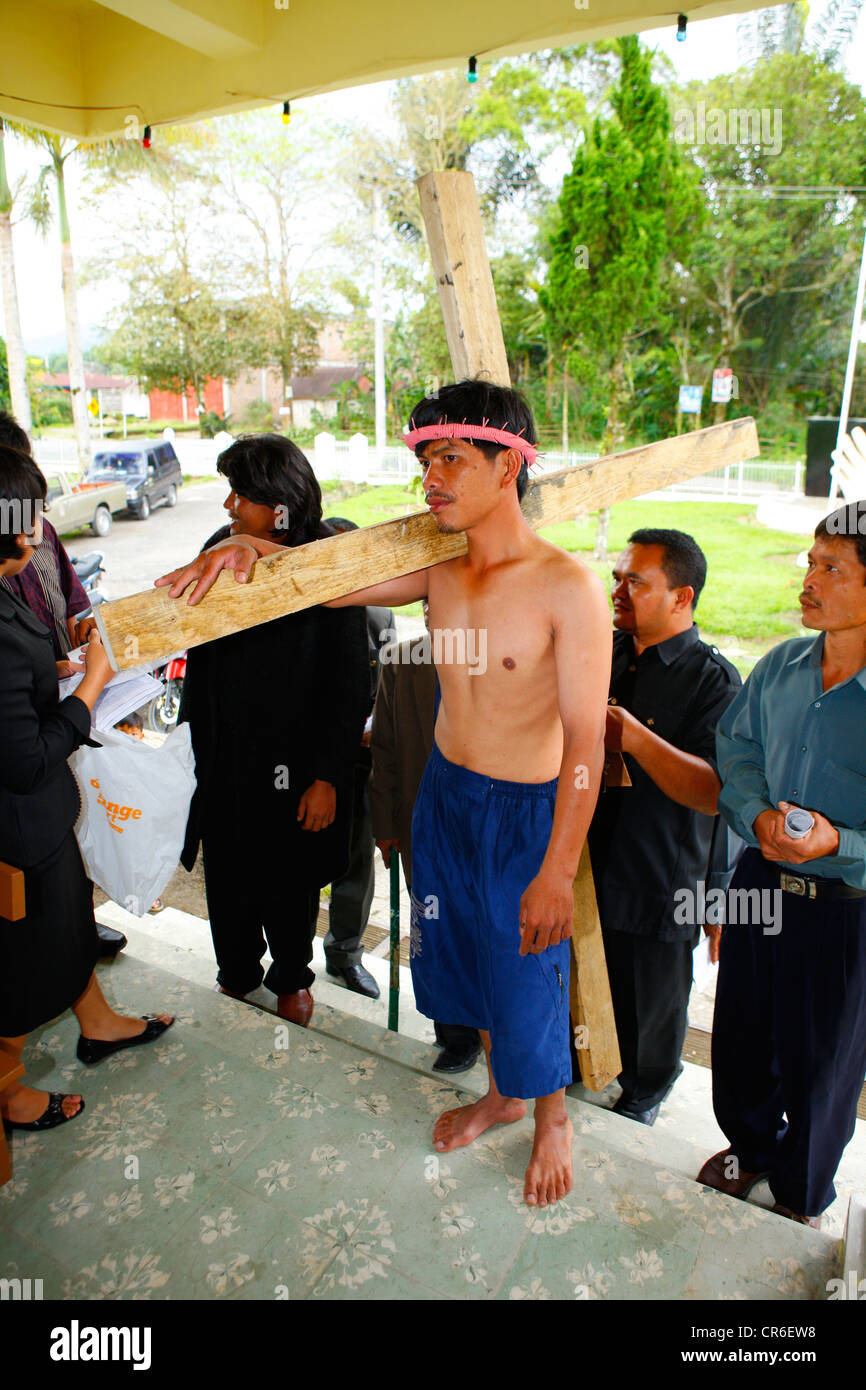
(276, 714)
(47, 958)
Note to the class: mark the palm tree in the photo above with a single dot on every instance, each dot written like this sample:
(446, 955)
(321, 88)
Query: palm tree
(15, 355)
(58, 150)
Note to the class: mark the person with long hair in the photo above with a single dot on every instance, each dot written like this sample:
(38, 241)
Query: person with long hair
(276, 715)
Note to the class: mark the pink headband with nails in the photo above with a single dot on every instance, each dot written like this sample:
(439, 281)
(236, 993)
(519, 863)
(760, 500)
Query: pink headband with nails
(447, 430)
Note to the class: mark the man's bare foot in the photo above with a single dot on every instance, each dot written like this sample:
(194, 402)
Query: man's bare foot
(456, 1128)
(26, 1104)
(548, 1177)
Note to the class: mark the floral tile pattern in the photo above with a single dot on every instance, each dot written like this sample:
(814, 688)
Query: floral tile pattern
(244, 1158)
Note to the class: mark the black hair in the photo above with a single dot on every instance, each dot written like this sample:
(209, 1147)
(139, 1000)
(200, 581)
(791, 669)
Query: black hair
(12, 436)
(849, 522)
(131, 721)
(271, 470)
(478, 402)
(684, 563)
(22, 494)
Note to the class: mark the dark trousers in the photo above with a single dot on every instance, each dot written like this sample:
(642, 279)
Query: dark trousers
(245, 905)
(789, 1039)
(352, 894)
(455, 1036)
(650, 982)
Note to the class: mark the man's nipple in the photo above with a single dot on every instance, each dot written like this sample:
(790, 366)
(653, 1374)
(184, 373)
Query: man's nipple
(509, 663)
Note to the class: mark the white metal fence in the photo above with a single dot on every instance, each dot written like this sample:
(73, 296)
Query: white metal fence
(356, 460)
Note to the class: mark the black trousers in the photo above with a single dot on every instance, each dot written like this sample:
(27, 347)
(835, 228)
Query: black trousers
(352, 893)
(789, 1038)
(650, 982)
(247, 903)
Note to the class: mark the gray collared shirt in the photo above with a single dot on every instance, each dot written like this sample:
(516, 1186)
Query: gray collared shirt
(785, 738)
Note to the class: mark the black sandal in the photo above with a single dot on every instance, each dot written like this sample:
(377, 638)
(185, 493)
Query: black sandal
(51, 1116)
(92, 1050)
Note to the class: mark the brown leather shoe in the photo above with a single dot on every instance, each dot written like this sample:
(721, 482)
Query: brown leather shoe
(813, 1221)
(220, 989)
(297, 1007)
(713, 1175)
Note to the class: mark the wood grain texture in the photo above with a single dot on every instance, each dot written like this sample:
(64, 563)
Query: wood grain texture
(591, 1004)
(455, 236)
(146, 627)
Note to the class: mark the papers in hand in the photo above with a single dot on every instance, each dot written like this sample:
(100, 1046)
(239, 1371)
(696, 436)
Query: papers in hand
(125, 692)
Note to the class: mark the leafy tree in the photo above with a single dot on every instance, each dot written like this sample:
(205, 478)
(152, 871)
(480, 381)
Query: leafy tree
(625, 212)
(781, 236)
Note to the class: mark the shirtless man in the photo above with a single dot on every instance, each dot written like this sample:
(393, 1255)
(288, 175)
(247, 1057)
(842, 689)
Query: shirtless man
(511, 785)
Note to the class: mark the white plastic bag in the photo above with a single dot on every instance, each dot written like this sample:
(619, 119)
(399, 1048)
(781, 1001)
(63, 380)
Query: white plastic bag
(134, 806)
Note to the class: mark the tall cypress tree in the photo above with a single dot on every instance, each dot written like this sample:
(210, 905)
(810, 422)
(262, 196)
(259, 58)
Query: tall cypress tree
(625, 213)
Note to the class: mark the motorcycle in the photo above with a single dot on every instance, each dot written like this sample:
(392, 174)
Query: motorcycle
(90, 570)
(163, 709)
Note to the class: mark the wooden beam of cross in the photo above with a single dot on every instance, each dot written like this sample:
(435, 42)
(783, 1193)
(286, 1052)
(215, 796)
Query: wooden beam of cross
(144, 627)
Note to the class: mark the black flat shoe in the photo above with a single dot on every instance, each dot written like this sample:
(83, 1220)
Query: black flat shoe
(111, 942)
(92, 1050)
(51, 1116)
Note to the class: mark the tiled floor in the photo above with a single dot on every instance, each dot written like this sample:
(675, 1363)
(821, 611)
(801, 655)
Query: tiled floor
(243, 1158)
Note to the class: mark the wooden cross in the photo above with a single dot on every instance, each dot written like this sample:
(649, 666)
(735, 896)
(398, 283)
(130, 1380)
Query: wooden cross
(145, 627)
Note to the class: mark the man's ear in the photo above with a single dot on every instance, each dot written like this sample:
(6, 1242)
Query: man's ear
(513, 460)
(685, 597)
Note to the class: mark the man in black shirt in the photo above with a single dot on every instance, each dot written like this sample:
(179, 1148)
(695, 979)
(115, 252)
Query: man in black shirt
(650, 841)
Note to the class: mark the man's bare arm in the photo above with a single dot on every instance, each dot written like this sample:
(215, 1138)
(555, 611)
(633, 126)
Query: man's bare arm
(582, 649)
(393, 593)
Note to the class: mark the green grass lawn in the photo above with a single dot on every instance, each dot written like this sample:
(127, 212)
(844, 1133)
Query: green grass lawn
(750, 600)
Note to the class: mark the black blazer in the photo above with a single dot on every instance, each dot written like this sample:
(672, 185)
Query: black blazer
(39, 800)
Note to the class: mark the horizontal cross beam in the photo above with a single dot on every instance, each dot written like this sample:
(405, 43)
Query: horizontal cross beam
(143, 628)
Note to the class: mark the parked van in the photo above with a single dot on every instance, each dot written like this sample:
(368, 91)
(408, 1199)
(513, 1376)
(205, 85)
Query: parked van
(150, 470)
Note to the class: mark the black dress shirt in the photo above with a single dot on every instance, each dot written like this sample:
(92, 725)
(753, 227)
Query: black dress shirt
(644, 846)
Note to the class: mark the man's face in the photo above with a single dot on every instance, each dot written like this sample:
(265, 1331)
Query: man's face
(643, 604)
(461, 484)
(250, 518)
(834, 590)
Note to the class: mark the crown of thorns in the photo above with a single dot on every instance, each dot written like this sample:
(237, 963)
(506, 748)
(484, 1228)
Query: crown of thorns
(449, 429)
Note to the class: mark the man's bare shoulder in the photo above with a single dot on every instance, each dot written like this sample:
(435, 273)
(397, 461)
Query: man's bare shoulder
(568, 574)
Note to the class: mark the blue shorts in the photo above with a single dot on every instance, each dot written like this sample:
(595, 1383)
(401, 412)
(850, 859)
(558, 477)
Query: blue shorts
(477, 844)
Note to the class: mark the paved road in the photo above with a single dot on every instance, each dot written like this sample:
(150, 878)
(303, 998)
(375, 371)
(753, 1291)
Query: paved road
(137, 551)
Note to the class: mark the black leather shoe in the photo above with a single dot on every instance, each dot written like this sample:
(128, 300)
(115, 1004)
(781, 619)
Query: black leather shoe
(355, 978)
(630, 1111)
(111, 942)
(450, 1061)
(92, 1050)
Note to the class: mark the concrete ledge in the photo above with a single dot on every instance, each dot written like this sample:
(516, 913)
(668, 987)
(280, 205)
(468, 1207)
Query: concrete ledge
(854, 1246)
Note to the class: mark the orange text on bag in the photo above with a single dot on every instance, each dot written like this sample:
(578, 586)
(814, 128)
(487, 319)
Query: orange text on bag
(115, 812)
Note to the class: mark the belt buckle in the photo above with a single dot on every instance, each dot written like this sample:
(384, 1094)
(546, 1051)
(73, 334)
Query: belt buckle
(800, 887)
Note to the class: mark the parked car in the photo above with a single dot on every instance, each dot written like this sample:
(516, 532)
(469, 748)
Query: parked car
(150, 471)
(91, 503)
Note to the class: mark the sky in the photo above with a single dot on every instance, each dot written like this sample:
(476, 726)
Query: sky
(710, 48)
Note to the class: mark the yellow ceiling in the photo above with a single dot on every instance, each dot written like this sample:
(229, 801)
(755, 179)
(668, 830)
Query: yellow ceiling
(90, 68)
